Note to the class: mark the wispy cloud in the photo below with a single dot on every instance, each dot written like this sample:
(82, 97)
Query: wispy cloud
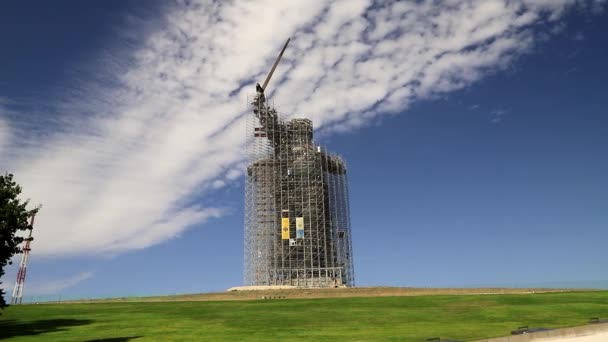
(571, 70)
(578, 36)
(56, 286)
(498, 115)
(4, 128)
(49, 286)
(131, 156)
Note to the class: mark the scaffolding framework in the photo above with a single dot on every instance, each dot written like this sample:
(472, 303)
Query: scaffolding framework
(297, 227)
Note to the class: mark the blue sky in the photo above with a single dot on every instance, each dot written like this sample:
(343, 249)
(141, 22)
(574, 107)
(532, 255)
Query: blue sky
(475, 137)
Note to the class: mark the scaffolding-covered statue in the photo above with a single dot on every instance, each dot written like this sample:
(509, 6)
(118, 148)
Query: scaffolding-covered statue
(297, 227)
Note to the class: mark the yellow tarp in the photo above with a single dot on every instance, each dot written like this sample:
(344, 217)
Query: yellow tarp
(285, 228)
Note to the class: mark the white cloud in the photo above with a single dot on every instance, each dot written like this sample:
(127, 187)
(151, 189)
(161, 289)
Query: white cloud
(4, 131)
(37, 287)
(498, 115)
(55, 286)
(4, 136)
(170, 128)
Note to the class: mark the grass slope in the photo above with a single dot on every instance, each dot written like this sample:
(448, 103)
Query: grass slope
(325, 293)
(409, 318)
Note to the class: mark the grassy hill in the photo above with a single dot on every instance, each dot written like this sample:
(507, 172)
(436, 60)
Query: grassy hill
(402, 318)
(325, 293)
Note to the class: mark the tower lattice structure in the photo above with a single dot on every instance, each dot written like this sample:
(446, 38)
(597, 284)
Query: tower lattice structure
(18, 289)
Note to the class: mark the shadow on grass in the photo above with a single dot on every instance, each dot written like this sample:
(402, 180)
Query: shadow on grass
(12, 328)
(114, 339)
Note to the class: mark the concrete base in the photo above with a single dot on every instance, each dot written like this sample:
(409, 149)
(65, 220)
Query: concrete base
(261, 288)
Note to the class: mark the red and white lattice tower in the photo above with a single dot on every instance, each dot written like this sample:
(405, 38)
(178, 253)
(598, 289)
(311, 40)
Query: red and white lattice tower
(18, 290)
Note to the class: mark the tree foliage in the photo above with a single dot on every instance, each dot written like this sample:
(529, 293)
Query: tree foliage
(14, 217)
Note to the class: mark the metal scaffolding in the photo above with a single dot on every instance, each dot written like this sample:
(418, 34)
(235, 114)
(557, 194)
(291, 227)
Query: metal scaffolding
(297, 228)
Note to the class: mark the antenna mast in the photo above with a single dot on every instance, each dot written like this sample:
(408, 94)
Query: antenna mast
(18, 290)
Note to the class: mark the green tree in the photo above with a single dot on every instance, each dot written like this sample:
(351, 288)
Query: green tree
(14, 217)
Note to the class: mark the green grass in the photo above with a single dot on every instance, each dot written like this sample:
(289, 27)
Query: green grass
(337, 319)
